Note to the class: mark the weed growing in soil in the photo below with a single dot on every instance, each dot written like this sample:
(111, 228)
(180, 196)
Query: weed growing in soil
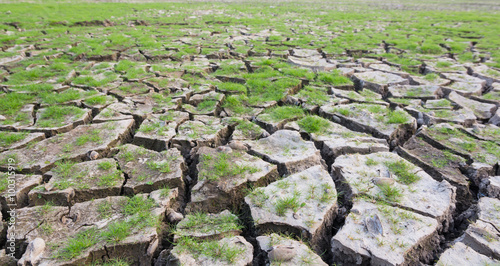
(397, 117)
(116, 232)
(162, 167)
(221, 165)
(314, 124)
(258, 197)
(77, 244)
(205, 223)
(291, 202)
(248, 129)
(165, 191)
(92, 136)
(285, 112)
(403, 173)
(371, 162)
(9, 138)
(105, 165)
(334, 78)
(210, 248)
(55, 116)
(232, 87)
(390, 193)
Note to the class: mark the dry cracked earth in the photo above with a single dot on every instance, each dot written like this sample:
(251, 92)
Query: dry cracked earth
(285, 157)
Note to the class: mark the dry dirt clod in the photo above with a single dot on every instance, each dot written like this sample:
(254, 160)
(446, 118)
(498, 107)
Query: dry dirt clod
(383, 181)
(282, 253)
(33, 252)
(238, 145)
(174, 217)
(93, 155)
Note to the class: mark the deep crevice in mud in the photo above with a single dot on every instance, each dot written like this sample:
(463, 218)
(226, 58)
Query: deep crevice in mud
(344, 202)
(250, 234)
(466, 211)
(191, 177)
(122, 188)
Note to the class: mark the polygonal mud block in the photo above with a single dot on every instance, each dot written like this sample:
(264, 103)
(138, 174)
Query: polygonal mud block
(203, 131)
(73, 145)
(71, 183)
(424, 92)
(394, 126)
(224, 176)
(482, 235)
(334, 140)
(115, 227)
(481, 110)
(150, 170)
(450, 137)
(210, 239)
(462, 116)
(72, 118)
(18, 140)
(485, 73)
(459, 254)
(304, 204)
(378, 81)
(386, 176)
(402, 238)
(440, 164)
(288, 150)
(157, 131)
(17, 188)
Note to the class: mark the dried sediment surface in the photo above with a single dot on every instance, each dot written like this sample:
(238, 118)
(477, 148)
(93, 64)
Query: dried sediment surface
(196, 134)
(403, 237)
(305, 205)
(387, 177)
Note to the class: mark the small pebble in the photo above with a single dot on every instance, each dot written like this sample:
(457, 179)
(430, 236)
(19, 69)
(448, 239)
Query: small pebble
(93, 155)
(282, 253)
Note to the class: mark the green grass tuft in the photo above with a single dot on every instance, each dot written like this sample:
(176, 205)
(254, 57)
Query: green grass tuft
(403, 173)
(314, 124)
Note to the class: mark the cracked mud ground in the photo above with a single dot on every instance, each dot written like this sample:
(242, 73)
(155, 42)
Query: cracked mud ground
(294, 133)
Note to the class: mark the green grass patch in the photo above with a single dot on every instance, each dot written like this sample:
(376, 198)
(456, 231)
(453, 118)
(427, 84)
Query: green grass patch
(93, 136)
(291, 202)
(162, 167)
(431, 76)
(79, 243)
(390, 193)
(235, 103)
(403, 172)
(285, 112)
(231, 87)
(96, 100)
(397, 117)
(116, 232)
(11, 103)
(206, 105)
(106, 165)
(203, 223)
(56, 116)
(9, 138)
(314, 124)
(222, 166)
(210, 248)
(334, 78)
(248, 129)
(313, 95)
